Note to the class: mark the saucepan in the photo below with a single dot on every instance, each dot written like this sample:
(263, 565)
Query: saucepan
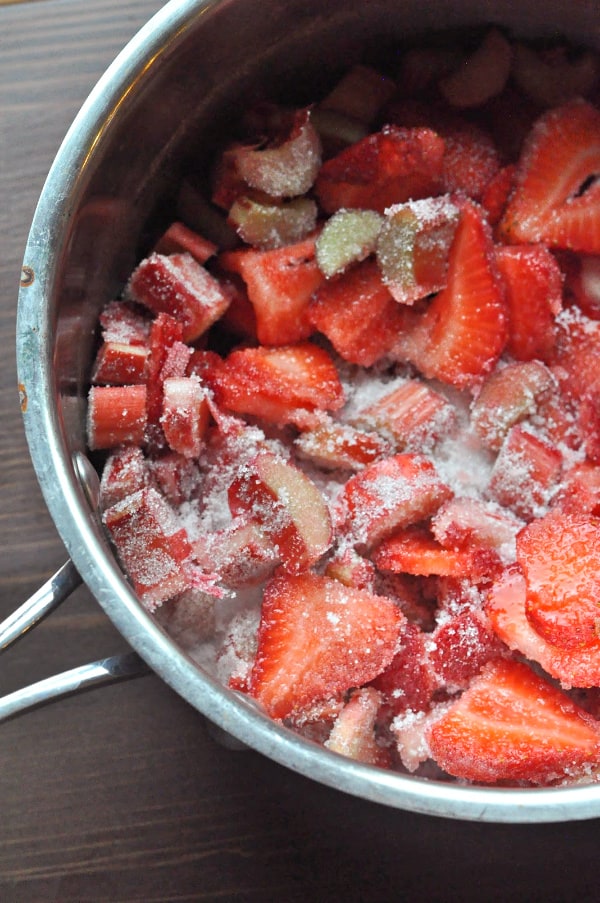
(178, 84)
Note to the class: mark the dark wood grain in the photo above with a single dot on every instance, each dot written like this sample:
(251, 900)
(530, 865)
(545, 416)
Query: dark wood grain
(123, 794)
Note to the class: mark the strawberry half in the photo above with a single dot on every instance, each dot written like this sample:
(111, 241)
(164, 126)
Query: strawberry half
(389, 495)
(560, 554)
(512, 725)
(556, 198)
(462, 332)
(281, 385)
(505, 607)
(280, 283)
(357, 313)
(317, 639)
(385, 168)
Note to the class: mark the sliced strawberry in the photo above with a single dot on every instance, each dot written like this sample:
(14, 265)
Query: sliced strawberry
(318, 638)
(287, 506)
(511, 725)
(533, 283)
(151, 544)
(526, 473)
(180, 286)
(116, 415)
(507, 397)
(505, 606)
(579, 491)
(414, 551)
(280, 284)
(559, 554)
(389, 495)
(576, 356)
(460, 336)
(332, 445)
(178, 239)
(357, 313)
(470, 160)
(185, 415)
(497, 192)
(413, 417)
(460, 646)
(464, 521)
(118, 364)
(280, 385)
(553, 202)
(408, 682)
(385, 168)
(353, 734)
(124, 472)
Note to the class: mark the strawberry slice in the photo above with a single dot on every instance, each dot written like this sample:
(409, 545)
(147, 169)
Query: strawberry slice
(579, 491)
(353, 734)
(288, 507)
(280, 283)
(389, 495)
(357, 313)
(388, 167)
(497, 192)
(505, 607)
(462, 333)
(178, 285)
(559, 554)
(576, 356)
(556, 199)
(460, 646)
(465, 521)
(317, 639)
(533, 283)
(280, 385)
(408, 683)
(512, 725)
(414, 551)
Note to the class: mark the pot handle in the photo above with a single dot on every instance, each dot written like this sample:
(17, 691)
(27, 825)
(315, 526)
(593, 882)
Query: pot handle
(95, 674)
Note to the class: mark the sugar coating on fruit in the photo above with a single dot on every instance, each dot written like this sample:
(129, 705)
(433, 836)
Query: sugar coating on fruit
(353, 458)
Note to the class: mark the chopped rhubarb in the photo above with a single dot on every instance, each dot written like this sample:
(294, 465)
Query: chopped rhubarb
(116, 416)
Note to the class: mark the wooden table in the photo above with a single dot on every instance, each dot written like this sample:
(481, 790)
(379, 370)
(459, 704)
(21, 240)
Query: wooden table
(123, 794)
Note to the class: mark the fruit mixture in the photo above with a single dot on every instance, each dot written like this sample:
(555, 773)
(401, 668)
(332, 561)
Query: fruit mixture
(348, 412)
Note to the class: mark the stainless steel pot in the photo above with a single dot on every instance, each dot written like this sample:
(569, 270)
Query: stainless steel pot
(175, 86)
